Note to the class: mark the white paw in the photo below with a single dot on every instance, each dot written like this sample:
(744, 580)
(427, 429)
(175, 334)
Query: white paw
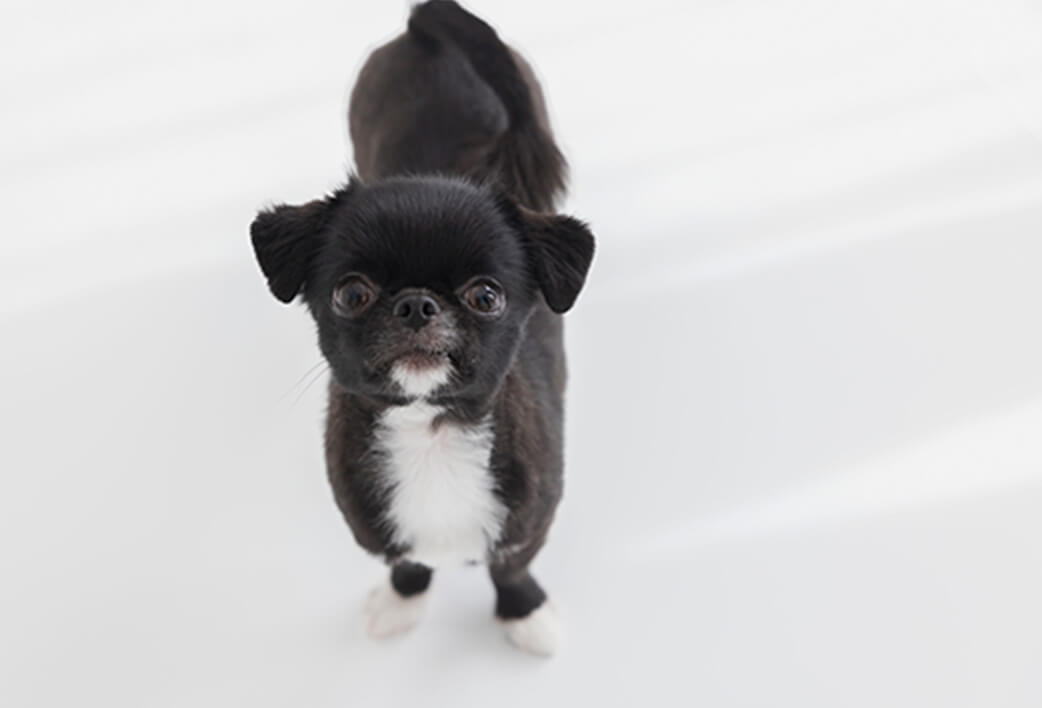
(538, 633)
(388, 613)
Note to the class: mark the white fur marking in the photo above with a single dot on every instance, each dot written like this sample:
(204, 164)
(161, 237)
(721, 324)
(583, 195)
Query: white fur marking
(539, 633)
(389, 613)
(417, 383)
(441, 500)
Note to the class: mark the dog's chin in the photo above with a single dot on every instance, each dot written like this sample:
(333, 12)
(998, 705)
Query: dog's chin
(420, 373)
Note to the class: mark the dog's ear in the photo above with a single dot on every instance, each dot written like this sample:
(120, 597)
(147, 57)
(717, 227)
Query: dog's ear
(285, 239)
(560, 251)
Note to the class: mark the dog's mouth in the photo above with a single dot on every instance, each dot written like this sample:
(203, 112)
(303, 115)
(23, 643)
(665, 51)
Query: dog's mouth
(433, 352)
(420, 358)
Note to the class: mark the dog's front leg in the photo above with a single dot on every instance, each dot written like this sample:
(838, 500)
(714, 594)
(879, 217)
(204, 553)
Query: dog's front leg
(396, 607)
(521, 604)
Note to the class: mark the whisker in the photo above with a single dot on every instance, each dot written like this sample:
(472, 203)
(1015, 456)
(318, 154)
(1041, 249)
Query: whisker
(311, 383)
(307, 373)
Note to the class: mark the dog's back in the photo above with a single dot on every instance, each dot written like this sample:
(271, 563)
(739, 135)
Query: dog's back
(449, 97)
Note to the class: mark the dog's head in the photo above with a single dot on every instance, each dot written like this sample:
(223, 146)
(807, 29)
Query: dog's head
(421, 287)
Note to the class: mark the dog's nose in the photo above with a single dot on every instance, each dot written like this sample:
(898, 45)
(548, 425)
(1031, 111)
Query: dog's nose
(416, 309)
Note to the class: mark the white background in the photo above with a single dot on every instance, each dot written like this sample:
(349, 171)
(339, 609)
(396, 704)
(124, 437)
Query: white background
(805, 419)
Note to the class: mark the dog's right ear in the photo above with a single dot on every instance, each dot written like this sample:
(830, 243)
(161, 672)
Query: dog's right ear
(285, 239)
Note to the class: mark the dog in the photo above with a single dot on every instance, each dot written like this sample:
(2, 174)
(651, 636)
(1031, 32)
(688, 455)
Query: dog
(437, 277)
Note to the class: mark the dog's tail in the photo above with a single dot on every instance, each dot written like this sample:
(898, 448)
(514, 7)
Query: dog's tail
(526, 160)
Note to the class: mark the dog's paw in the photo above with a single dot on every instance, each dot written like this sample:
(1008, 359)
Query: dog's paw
(538, 633)
(388, 613)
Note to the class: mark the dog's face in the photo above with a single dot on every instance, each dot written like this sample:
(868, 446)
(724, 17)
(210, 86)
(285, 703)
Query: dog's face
(421, 287)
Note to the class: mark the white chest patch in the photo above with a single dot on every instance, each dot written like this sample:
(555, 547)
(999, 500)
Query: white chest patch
(440, 490)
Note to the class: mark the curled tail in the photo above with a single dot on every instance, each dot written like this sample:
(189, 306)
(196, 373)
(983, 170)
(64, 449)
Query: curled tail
(526, 161)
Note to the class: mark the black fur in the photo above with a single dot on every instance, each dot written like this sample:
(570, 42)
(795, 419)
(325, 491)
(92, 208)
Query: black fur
(525, 160)
(447, 98)
(284, 240)
(410, 579)
(517, 594)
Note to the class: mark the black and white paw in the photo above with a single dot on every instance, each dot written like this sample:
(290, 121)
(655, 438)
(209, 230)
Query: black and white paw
(539, 632)
(389, 614)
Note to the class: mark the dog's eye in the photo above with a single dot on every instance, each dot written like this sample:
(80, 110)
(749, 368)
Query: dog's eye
(485, 297)
(352, 296)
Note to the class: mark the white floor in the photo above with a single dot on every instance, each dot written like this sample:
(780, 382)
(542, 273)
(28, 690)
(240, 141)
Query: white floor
(805, 460)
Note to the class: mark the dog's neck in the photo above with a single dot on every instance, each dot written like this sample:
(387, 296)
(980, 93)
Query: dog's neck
(460, 408)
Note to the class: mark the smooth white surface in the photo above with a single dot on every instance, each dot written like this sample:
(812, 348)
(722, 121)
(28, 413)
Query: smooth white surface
(804, 449)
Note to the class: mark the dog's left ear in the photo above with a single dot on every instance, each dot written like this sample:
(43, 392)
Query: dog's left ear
(560, 252)
(285, 239)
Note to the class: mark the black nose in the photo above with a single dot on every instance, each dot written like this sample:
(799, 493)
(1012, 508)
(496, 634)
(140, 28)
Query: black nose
(416, 309)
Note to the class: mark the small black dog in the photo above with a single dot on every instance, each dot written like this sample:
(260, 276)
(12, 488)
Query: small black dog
(437, 282)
